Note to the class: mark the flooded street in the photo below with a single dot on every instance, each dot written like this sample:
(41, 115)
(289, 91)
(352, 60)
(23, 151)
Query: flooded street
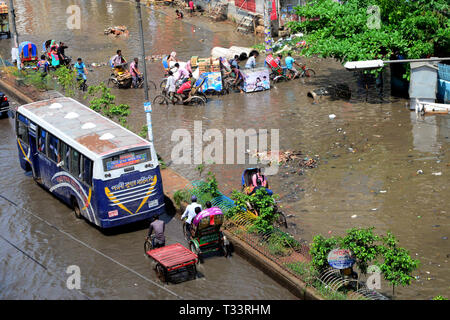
(369, 158)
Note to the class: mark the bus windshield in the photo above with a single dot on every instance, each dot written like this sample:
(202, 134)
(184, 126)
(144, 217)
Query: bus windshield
(126, 159)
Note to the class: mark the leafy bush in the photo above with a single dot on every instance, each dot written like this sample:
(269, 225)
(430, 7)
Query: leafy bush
(103, 101)
(417, 29)
(181, 196)
(210, 186)
(67, 79)
(319, 250)
(363, 244)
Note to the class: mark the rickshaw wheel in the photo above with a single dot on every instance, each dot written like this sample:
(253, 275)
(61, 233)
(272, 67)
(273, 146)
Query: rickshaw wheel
(196, 100)
(160, 272)
(194, 249)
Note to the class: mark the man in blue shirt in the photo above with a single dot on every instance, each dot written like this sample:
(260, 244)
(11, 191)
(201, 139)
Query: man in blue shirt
(81, 70)
(290, 65)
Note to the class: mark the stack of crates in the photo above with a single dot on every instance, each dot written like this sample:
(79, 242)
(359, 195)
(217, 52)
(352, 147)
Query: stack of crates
(194, 61)
(3, 8)
(215, 66)
(204, 65)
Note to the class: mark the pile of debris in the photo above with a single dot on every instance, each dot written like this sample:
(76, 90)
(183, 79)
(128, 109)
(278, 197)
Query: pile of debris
(117, 31)
(219, 12)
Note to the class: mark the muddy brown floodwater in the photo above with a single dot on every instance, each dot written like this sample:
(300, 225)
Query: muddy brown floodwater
(367, 173)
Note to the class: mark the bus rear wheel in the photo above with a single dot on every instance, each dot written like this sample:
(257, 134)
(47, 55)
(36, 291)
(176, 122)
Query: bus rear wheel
(76, 210)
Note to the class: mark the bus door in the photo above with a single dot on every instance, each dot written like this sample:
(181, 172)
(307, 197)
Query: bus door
(34, 150)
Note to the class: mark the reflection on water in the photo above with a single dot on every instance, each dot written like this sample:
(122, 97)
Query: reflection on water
(366, 149)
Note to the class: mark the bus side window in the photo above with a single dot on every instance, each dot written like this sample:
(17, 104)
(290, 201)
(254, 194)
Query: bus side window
(42, 140)
(87, 171)
(22, 129)
(75, 163)
(64, 152)
(52, 150)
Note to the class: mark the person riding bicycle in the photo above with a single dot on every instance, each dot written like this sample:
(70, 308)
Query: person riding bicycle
(238, 81)
(80, 67)
(290, 64)
(191, 211)
(186, 86)
(158, 226)
(135, 73)
(170, 85)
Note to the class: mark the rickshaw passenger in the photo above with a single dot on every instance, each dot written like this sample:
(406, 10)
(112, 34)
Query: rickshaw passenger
(259, 186)
(183, 73)
(118, 61)
(278, 59)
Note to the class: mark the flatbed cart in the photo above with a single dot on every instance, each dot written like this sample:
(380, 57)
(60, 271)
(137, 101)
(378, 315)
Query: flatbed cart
(174, 263)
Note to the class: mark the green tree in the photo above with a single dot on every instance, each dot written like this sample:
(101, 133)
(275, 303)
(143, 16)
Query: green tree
(398, 265)
(416, 29)
(363, 245)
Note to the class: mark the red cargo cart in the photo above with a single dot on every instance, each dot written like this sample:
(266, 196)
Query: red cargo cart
(174, 263)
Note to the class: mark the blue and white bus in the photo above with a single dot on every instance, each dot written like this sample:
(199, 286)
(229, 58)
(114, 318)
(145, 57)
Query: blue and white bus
(106, 173)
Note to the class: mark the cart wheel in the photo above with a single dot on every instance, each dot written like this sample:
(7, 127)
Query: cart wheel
(197, 100)
(194, 249)
(161, 273)
(148, 245)
(160, 100)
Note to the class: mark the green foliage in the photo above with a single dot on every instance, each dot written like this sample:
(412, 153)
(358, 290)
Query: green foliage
(363, 244)
(319, 250)
(144, 131)
(262, 203)
(162, 163)
(281, 244)
(398, 265)
(366, 247)
(102, 101)
(416, 29)
(200, 169)
(210, 186)
(67, 79)
(34, 78)
(181, 196)
(439, 298)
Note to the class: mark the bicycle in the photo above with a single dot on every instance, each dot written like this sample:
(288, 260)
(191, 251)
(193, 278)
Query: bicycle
(148, 244)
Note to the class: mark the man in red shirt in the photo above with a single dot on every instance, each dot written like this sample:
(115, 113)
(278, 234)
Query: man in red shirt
(191, 7)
